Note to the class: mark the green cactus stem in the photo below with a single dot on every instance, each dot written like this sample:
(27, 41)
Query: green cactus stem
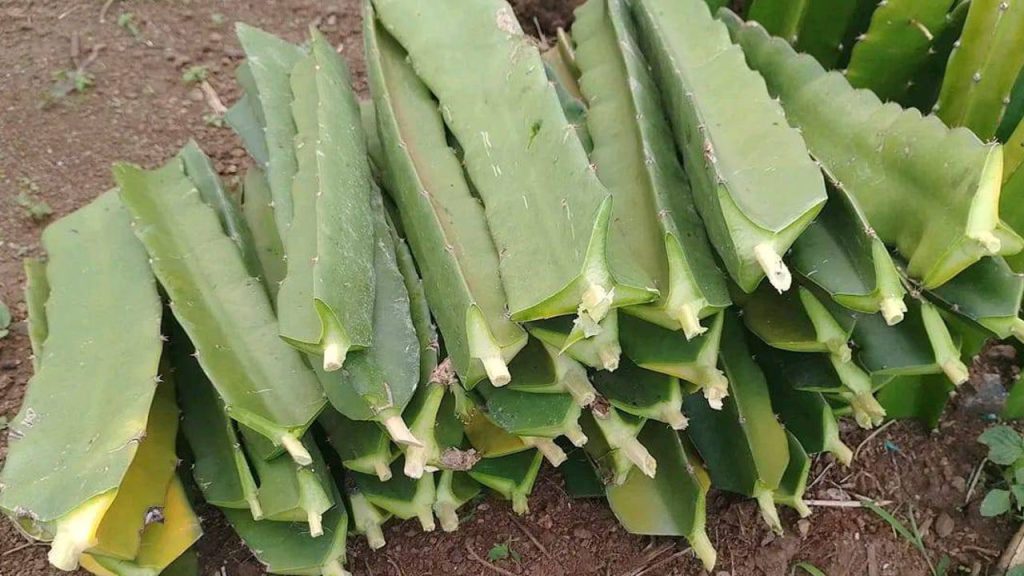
(755, 196)
(401, 496)
(330, 244)
(896, 45)
(655, 226)
(841, 255)
(190, 260)
(941, 229)
(533, 204)
(794, 482)
(95, 264)
(265, 78)
(377, 383)
(444, 223)
(983, 67)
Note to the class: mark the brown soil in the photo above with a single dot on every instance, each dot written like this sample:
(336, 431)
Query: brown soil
(140, 110)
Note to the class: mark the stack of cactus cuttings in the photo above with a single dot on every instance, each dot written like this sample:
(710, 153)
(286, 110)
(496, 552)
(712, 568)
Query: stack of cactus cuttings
(562, 203)
(754, 208)
(325, 304)
(564, 251)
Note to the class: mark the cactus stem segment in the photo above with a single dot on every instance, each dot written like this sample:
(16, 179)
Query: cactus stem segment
(774, 268)
(399, 432)
(551, 451)
(297, 451)
(892, 309)
(76, 531)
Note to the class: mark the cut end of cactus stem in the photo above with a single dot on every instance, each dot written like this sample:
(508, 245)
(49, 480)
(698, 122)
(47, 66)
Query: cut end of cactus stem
(716, 391)
(801, 507)
(773, 266)
(415, 461)
(76, 532)
(866, 410)
(497, 370)
(688, 320)
(426, 518)
(316, 523)
(297, 451)
(841, 451)
(610, 357)
(552, 452)
(983, 217)
(374, 536)
(638, 455)
(766, 503)
(399, 432)
(596, 302)
(703, 548)
(892, 310)
(956, 371)
(675, 418)
(382, 470)
(576, 436)
(519, 503)
(447, 516)
(334, 356)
